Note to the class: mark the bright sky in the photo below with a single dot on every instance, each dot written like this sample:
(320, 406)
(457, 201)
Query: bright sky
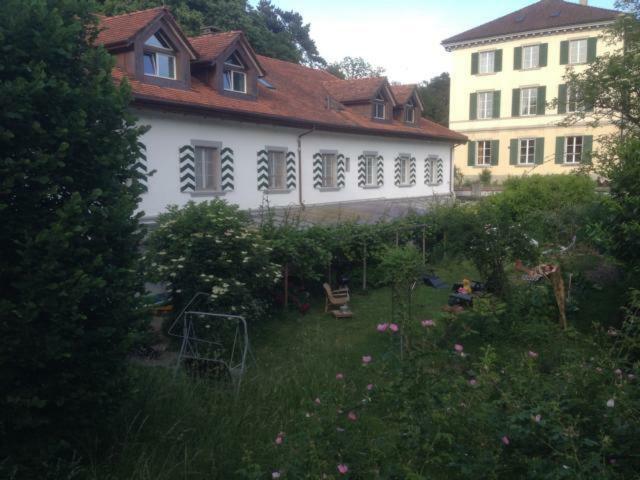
(403, 36)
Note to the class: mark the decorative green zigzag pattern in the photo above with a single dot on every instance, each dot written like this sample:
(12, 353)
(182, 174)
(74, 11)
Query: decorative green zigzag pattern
(341, 171)
(227, 180)
(380, 171)
(263, 170)
(412, 171)
(187, 169)
(291, 171)
(317, 170)
(361, 171)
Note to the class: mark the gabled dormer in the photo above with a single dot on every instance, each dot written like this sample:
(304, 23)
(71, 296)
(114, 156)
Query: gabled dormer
(409, 107)
(228, 64)
(150, 47)
(370, 97)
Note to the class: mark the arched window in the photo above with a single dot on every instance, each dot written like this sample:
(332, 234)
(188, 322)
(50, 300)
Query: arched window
(159, 57)
(234, 76)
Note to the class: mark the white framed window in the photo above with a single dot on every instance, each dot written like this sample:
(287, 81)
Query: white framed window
(483, 153)
(405, 165)
(485, 105)
(486, 62)
(578, 51)
(530, 57)
(379, 108)
(276, 169)
(529, 101)
(329, 167)
(572, 149)
(527, 154)
(370, 170)
(573, 101)
(234, 77)
(159, 58)
(409, 112)
(208, 173)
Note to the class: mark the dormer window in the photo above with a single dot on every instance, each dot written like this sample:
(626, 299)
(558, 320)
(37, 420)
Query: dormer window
(159, 57)
(379, 108)
(410, 112)
(235, 78)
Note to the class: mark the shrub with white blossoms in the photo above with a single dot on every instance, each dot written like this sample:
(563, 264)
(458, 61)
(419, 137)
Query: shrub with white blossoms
(212, 247)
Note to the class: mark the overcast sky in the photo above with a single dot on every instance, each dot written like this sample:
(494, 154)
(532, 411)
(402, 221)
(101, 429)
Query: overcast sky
(403, 36)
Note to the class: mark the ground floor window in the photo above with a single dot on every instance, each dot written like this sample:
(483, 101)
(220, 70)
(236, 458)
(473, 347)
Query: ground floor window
(276, 169)
(572, 149)
(207, 163)
(370, 169)
(329, 162)
(405, 166)
(527, 151)
(483, 154)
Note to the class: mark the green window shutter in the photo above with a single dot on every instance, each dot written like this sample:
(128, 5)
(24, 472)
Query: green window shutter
(564, 52)
(513, 151)
(559, 149)
(587, 148)
(497, 66)
(517, 58)
(473, 106)
(539, 155)
(495, 151)
(562, 98)
(592, 45)
(542, 100)
(471, 155)
(496, 104)
(474, 64)
(544, 53)
(515, 103)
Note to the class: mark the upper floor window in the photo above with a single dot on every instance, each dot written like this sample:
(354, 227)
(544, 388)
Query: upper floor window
(578, 51)
(410, 112)
(234, 77)
(530, 57)
(529, 101)
(379, 108)
(486, 62)
(159, 57)
(208, 173)
(329, 165)
(485, 105)
(483, 154)
(572, 149)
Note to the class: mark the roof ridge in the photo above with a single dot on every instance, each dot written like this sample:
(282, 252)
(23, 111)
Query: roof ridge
(216, 33)
(163, 7)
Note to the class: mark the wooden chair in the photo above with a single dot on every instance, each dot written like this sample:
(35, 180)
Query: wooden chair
(335, 298)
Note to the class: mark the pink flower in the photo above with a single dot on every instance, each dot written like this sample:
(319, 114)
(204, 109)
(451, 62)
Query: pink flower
(370, 387)
(275, 475)
(366, 359)
(428, 323)
(339, 376)
(280, 438)
(342, 468)
(537, 418)
(382, 327)
(631, 376)
(317, 401)
(618, 372)
(505, 440)
(458, 348)
(352, 416)
(473, 382)
(598, 369)
(394, 327)
(532, 354)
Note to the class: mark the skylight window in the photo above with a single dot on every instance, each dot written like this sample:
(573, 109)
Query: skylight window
(266, 83)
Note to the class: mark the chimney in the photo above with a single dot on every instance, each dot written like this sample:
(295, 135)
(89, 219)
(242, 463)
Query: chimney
(584, 2)
(209, 29)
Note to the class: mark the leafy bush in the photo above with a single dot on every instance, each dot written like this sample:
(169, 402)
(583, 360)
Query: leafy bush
(485, 177)
(213, 247)
(69, 238)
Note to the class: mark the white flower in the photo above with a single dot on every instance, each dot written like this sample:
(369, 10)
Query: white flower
(611, 403)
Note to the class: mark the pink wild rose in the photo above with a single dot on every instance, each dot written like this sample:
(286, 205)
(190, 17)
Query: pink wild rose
(342, 468)
(537, 418)
(317, 401)
(473, 382)
(339, 376)
(280, 438)
(394, 327)
(366, 359)
(458, 348)
(382, 327)
(370, 386)
(505, 440)
(428, 323)
(532, 354)
(353, 416)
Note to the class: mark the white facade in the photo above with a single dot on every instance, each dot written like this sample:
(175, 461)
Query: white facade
(170, 131)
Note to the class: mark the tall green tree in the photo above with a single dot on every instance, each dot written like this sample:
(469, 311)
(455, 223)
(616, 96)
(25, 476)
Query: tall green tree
(270, 30)
(70, 235)
(354, 67)
(434, 95)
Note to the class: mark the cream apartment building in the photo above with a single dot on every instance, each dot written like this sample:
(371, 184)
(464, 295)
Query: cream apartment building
(505, 73)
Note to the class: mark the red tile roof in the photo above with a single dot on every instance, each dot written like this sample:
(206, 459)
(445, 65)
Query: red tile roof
(122, 28)
(300, 97)
(403, 92)
(210, 45)
(538, 16)
(354, 90)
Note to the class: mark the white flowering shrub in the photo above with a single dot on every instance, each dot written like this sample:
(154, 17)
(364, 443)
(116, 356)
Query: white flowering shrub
(212, 247)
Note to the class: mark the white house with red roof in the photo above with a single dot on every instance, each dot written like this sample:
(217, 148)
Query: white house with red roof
(228, 123)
